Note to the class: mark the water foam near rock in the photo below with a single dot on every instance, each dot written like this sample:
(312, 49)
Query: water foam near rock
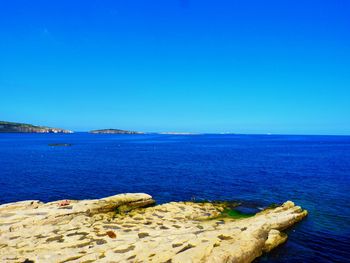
(130, 228)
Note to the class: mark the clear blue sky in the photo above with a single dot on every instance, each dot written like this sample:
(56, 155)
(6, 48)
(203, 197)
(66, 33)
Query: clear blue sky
(199, 66)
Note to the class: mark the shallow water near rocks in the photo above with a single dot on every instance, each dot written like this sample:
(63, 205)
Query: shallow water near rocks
(236, 214)
(312, 171)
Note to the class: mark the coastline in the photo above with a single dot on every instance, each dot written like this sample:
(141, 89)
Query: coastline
(130, 228)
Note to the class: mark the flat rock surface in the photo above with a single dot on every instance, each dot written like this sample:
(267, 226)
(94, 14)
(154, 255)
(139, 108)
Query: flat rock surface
(119, 229)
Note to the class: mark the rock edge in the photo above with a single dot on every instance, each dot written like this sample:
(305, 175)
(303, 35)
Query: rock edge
(126, 228)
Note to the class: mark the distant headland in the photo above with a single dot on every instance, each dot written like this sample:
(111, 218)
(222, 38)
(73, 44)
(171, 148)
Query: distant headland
(16, 127)
(13, 127)
(115, 131)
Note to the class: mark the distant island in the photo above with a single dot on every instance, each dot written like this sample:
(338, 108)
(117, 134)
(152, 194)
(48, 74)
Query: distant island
(114, 131)
(13, 127)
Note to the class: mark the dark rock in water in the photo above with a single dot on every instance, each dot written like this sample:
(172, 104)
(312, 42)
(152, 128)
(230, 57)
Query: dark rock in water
(60, 144)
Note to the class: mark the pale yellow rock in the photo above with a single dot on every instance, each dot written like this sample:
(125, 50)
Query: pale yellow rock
(93, 231)
(275, 238)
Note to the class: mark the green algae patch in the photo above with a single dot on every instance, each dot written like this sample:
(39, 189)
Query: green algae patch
(219, 203)
(232, 213)
(228, 210)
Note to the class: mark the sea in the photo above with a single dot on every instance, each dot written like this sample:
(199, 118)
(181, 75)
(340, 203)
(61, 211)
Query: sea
(256, 170)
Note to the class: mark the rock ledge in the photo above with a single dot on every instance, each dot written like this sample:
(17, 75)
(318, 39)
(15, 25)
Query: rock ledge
(125, 228)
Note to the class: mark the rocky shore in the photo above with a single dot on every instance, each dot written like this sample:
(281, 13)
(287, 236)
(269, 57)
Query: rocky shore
(128, 228)
(14, 127)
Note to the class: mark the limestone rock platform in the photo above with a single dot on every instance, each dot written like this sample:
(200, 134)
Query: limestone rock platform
(130, 228)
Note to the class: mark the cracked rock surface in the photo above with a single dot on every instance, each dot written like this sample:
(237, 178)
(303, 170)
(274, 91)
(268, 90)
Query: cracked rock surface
(125, 228)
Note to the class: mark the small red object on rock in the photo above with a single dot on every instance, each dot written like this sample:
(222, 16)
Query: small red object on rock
(111, 234)
(64, 203)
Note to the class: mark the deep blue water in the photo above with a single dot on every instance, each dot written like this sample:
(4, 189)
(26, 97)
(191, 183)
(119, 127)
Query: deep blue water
(313, 171)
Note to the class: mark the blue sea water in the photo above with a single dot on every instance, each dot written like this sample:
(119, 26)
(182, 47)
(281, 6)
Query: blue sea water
(313, 171)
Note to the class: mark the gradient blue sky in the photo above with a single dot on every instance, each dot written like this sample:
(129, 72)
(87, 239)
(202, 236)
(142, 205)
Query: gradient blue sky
(199, 66)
